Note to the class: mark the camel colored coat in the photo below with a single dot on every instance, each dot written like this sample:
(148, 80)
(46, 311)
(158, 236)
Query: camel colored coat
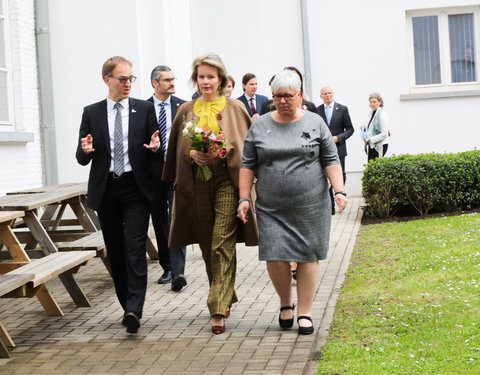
(234, 121)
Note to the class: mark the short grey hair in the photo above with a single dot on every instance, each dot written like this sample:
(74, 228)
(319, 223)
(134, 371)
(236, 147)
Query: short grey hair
(157, 71)
(377, 96)
(286, 79)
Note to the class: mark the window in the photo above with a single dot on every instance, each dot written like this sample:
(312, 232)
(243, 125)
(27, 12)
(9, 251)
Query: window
(444, 48)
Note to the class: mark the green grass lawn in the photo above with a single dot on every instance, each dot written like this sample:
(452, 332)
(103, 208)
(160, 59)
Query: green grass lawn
(410, 301)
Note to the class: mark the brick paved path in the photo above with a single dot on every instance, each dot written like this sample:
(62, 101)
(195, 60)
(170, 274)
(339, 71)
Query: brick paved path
(175, 337)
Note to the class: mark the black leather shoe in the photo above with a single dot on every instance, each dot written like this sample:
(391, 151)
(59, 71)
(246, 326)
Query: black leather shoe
(305, 330)
(178, 283)
(286, 323)
(166, 277)
(132, 322)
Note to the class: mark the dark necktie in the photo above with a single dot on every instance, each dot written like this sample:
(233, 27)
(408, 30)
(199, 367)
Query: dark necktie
(162, 126)
(252, 106)
(118, 162)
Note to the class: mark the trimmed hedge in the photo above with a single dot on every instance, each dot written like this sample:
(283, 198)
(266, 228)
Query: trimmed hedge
(424, 183)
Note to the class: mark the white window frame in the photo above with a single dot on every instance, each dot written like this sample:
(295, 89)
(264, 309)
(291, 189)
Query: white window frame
(8, 124)
(446, 86)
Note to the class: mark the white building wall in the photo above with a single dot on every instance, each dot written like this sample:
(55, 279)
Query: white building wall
(21, 163)
(361, 47)
(356, 48)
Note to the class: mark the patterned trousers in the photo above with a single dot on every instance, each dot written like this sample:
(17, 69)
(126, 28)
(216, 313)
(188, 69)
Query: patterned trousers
(216, 210)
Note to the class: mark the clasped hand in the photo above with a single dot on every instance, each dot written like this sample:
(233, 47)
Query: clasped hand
(201, 158)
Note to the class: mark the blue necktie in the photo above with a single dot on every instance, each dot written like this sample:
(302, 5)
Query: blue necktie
(162, 126)
(328, 114)
(118, 161)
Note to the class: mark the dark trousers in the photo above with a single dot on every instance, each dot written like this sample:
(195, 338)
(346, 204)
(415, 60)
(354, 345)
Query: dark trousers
(170, 259)
(124, 219)
(373, 154)
(332, 197)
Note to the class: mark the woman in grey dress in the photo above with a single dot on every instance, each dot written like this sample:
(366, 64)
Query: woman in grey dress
(291, 153)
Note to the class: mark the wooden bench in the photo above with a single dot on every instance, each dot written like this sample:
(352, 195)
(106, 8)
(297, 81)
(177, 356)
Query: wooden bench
(92, 241)
(45, 269)
(9, 283)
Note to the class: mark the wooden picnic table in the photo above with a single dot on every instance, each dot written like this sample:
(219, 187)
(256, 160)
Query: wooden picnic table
(42, 228)
(9, 283)
(54, 199)
(21, 277)
(74, 186)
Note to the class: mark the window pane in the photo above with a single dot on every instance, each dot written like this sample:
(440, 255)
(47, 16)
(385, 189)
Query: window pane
(462, 54)
(2, 44)
(3, 97)
(426, 50)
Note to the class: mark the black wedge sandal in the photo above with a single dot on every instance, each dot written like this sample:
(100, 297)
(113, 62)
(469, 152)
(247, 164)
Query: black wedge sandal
(305, 330)
(286, 323)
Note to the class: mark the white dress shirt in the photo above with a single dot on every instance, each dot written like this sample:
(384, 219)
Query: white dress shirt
(111, 113)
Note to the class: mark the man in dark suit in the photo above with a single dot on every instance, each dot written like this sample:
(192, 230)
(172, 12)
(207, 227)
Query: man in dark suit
(119, 135)
(338, 120)
(252, 101)
(166, 105)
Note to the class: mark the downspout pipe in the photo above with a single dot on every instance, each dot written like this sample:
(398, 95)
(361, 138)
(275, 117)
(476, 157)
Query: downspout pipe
(307, 82)
(47, 118)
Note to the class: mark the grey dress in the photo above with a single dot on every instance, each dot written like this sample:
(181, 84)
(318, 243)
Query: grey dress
(293, 205)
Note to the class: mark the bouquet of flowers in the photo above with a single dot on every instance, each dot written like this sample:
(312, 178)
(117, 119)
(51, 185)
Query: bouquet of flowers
(204, 140)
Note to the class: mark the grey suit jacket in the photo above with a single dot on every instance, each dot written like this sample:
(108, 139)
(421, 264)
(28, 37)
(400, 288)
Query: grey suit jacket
(340, 125)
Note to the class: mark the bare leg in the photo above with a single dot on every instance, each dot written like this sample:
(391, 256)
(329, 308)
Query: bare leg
(281, 277)
(307, 282)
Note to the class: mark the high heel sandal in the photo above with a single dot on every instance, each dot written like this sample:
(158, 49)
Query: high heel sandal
(305, 330)
(219, 329)
(286, 323)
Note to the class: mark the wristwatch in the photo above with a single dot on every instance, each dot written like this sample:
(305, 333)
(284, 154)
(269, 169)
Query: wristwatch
(340, 192)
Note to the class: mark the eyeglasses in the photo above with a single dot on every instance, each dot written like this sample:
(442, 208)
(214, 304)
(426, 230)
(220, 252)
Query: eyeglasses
(124, 80)
(168, 80)
(287, 97)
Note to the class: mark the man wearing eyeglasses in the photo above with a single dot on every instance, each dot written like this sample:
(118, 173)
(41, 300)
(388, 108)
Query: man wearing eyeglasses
(119, 135)
(166, 105)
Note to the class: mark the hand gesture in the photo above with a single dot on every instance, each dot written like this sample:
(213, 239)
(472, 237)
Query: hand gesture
(87, 143)
(154, 141)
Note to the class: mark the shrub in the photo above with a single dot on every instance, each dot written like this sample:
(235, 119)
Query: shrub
(424, 183)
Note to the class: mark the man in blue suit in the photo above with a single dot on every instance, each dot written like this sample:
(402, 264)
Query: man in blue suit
(166, 105)
(252, 101)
